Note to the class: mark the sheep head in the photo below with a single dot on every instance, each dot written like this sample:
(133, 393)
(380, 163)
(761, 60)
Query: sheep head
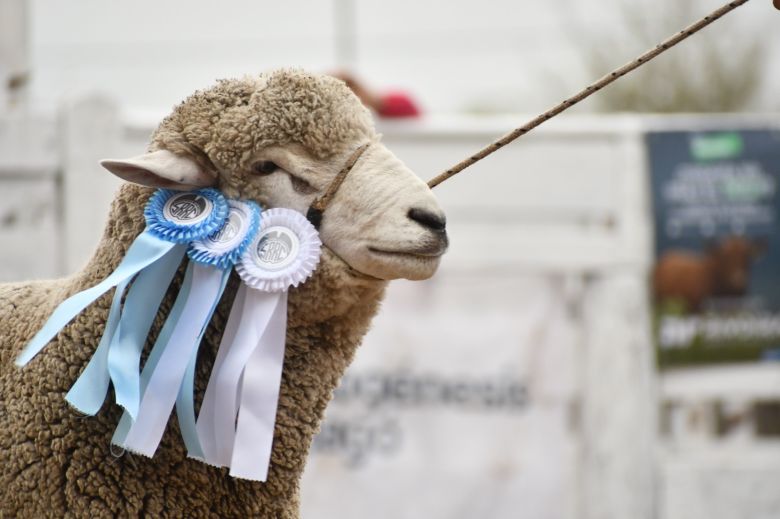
(280, 139)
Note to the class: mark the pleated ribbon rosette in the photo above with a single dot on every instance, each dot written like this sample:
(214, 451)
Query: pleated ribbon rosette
(173, 220)
(168, 375)
(236, 422)
(271, 252)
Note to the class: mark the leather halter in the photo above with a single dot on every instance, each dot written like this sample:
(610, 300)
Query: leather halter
(318, 206)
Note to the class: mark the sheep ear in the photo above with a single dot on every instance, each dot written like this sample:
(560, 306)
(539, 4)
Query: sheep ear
(161, 169)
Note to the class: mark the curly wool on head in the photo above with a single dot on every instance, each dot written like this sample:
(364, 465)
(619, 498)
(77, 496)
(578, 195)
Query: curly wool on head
(224, 123)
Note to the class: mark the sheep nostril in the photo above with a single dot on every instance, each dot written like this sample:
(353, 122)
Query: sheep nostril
(428, 219)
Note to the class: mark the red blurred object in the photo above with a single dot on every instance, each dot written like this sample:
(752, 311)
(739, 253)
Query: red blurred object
(390, 104)
(398, 104)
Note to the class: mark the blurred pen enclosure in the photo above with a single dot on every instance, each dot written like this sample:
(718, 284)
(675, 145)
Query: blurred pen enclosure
(520, 381)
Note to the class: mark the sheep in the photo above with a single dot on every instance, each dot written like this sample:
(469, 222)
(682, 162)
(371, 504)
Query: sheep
(277, 138)
(723, 271)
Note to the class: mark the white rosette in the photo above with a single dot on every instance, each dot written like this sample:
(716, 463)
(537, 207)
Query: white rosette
(236, 423)
(284, 253)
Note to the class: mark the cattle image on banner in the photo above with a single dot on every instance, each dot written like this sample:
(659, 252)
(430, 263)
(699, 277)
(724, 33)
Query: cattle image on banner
(716, 281)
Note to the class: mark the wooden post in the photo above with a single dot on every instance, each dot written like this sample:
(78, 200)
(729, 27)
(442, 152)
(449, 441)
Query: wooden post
(345, 37)
(14, 53)
(619, 401)
(618, 416)
(91, 130)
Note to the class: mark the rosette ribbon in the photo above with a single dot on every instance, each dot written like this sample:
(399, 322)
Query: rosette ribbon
(168, 375)
(173, 219)
(235, 426)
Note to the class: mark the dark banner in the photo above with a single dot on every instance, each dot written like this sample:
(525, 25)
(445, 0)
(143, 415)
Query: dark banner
(716, 281)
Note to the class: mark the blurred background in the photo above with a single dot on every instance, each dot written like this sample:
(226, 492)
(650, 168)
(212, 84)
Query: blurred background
(602, 338)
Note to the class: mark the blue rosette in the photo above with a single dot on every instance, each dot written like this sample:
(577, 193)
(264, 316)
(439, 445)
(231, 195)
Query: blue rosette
(224, 247)
(183, 217)
(173, 220)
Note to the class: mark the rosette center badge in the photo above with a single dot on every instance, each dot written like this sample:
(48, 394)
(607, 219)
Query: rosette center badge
(236, 228)
(284, 253)
(277, 248)
(187, 208)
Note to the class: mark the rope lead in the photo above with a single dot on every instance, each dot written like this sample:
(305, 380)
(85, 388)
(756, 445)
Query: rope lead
(590, 89)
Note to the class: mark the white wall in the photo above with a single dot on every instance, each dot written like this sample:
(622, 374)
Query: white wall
(455, 55)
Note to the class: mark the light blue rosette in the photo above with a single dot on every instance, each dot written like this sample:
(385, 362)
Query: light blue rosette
(168, 376)
(173, 219)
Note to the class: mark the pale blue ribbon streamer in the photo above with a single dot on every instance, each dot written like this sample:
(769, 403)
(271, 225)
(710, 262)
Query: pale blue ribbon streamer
(145, 250)
(141, 305)
(185, 408)
(154, 356)
(89, 391)
(128, 331)
(185, 402)
(165, 382)
(184, 399)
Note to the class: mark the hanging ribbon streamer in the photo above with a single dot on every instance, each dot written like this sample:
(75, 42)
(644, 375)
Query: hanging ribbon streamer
(169, 372)
(173, 219)
(236, 422)
(141, 305)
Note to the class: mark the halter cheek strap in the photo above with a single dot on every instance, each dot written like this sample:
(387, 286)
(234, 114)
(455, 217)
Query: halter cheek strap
(314, 214)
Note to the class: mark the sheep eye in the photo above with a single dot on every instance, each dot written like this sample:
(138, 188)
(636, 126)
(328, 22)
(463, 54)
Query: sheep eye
(264, 167)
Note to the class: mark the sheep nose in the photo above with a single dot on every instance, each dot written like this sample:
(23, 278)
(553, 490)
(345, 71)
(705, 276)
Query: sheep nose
(428, 219)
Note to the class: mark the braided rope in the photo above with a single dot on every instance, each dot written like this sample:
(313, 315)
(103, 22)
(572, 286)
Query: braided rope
(314, 214)
(587, 91)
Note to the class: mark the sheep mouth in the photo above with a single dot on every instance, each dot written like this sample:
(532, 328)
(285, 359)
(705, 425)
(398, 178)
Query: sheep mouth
(430, 252)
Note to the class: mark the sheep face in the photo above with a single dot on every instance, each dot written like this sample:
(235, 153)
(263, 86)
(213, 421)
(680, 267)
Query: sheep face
(383, 221)
(280, 140)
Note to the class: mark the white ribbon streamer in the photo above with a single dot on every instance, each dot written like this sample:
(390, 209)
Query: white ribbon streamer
(236, 422)
(160, 395)
(260, 394)
(206, 423)
(247, 376)
(256, 317)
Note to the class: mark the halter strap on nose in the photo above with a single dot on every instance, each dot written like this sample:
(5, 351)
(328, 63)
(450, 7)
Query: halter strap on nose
(314, 214)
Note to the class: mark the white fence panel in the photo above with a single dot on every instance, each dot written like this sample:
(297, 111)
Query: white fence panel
(529, 292)
(458, 406)
(30, 228)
